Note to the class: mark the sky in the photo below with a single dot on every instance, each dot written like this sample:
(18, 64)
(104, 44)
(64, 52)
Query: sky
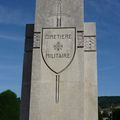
(15, 14)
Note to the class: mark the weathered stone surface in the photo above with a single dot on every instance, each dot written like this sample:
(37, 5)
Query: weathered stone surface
(71, 85)
(71, 14)
(57, 93)
(90, 74)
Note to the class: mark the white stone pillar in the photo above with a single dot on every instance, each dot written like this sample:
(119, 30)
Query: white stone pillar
(90, 72)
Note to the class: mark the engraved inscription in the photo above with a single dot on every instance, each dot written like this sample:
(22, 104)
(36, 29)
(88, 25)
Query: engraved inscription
(58, 47)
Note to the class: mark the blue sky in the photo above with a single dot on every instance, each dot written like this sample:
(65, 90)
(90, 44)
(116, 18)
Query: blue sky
(14, 14)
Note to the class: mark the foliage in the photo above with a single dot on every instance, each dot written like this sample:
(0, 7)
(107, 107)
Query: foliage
(107, 102)
(99, 114)
(9, 106)
(116, 114)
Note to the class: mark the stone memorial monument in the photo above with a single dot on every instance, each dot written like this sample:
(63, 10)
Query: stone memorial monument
(60, 66)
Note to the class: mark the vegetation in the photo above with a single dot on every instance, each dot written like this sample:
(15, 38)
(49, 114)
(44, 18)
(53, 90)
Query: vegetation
(109, 107)
(116, 114)
(107, 102)
(9, 106)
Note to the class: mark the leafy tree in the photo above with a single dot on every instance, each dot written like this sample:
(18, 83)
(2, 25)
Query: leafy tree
(99, 114)
(9, 106)
(107, 102)
(116, 114)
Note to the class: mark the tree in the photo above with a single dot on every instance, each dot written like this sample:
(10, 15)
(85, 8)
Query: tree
(116, 114)
(9, 106)
(99, 114)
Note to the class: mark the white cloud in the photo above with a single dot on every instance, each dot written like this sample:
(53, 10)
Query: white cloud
(14, 38)
(108, 7)
(9, 67)
(108, 68)
(14, 16)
